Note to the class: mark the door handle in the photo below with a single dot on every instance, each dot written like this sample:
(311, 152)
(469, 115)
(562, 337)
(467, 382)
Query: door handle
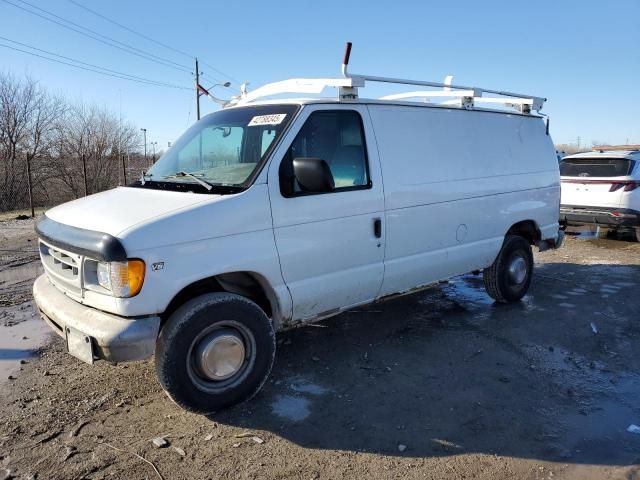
(377, 227)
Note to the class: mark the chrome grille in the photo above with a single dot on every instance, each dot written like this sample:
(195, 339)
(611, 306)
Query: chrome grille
(66, 264)
(62, 267)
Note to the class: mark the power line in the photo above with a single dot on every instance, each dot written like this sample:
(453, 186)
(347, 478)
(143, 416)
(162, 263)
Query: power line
(123, 76)
(130, 30)
(161, 59)
(95, 36)
(142, 35)
(134, 77)
(221, 73)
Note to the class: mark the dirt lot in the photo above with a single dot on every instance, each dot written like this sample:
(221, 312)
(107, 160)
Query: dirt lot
(441, 384)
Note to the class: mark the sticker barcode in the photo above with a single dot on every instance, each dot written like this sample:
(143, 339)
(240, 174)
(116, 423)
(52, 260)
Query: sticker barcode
(273, 119)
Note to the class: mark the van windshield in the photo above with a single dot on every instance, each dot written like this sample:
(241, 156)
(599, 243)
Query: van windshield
(596, 167)
(223, 149)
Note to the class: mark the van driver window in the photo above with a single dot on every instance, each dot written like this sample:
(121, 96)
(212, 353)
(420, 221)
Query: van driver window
(336, 137)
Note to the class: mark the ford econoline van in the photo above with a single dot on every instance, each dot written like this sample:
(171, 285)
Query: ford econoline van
(273, 213)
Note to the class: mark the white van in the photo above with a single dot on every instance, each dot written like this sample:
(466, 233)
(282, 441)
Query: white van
(600, 188)
(269, 214)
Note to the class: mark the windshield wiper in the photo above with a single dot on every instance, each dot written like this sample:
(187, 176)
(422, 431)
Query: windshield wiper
(204, 183)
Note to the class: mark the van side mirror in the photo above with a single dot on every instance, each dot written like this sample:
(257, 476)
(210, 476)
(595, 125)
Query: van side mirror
(313, 175)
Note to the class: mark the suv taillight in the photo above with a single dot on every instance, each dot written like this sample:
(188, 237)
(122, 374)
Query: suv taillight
(631, 186)
(616, 186)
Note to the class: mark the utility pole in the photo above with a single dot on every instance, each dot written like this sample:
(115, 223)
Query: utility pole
(144, 131)
(153, 158)
(197, 90)
(30, 186)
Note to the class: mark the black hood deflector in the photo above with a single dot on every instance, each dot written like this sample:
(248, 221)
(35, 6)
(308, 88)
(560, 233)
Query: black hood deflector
(96, 245)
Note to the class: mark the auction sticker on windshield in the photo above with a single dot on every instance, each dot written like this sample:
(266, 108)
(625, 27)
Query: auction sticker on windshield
(274, 119)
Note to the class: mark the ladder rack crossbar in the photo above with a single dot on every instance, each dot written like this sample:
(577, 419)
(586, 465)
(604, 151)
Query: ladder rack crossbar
(430, 94)
(348, 88)
(505, 101)
(442, 85)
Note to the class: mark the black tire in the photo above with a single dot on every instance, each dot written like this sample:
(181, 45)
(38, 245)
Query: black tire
(499, 282)
(193, 325)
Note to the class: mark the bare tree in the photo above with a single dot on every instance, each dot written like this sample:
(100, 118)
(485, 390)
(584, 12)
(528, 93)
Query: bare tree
(97, 135)
(27, 118)
(52, 136)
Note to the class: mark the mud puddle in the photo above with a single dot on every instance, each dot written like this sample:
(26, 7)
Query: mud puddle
(21, 341)
(607, 403)
(297, 405)
(22, 332)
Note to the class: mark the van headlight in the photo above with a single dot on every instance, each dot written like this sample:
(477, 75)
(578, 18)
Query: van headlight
(122, 279)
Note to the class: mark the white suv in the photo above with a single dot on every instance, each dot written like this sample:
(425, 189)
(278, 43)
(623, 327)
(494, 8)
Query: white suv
(601, 188)
(269, 214)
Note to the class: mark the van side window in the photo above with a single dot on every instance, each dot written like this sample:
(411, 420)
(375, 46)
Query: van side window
(335, 136)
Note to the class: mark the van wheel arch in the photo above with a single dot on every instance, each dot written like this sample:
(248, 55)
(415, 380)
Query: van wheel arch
(527, 229)
(250, 285)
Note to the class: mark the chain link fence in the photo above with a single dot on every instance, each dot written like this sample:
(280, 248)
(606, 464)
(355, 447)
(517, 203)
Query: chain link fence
(39, 184)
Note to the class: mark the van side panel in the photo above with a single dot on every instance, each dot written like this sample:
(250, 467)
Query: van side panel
(231, 235)
(455, 181)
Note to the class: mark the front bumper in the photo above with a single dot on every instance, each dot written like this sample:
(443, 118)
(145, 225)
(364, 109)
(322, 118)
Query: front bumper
(612, 217)
(114, 338)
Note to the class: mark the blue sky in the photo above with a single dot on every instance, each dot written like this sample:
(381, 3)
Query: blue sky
(583, 55)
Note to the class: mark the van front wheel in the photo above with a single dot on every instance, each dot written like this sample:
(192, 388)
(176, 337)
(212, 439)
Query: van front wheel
(216, 350)
(508, 278)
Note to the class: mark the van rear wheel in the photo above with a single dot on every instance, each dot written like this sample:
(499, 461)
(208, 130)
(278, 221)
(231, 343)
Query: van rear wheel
(215, 351)
(508, 278)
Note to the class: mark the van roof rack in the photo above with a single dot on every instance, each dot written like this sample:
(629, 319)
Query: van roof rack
(453, 95)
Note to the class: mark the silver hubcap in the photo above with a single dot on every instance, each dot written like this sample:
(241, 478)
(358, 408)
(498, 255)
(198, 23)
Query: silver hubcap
(220, 355)
(518, 270)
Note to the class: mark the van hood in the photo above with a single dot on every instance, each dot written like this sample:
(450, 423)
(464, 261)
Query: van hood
(127, 220)
(122, 208)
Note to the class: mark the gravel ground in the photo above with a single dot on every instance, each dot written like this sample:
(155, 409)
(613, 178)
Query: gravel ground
(440, 384)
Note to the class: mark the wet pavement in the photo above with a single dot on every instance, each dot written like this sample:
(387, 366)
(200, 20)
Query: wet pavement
(20, 342)
(22, 332)
(440, 384)
(450, 365)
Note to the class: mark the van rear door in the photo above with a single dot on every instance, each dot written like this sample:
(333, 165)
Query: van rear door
(594, 182)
